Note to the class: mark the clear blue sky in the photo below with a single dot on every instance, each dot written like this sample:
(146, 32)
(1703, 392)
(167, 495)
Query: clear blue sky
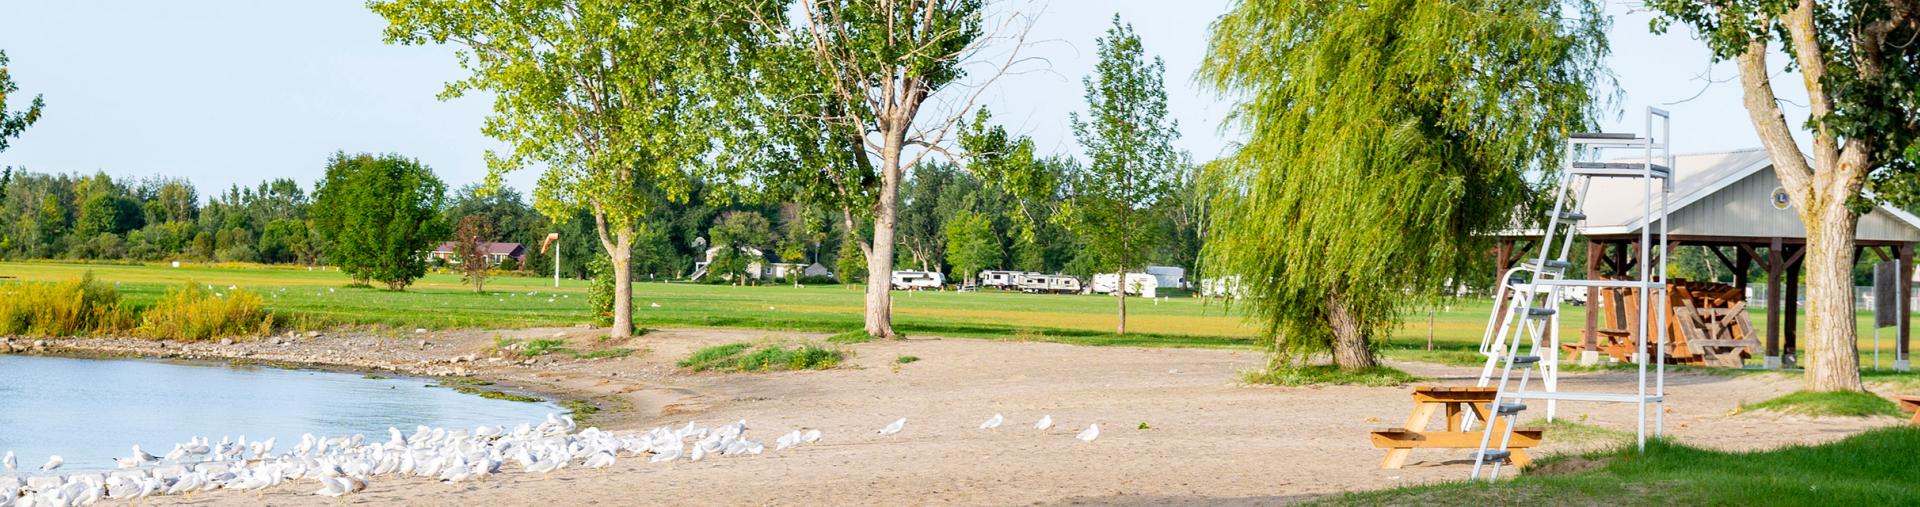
(226, 92)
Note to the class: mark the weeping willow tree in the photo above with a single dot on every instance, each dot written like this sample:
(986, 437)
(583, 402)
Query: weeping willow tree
(1385, 141)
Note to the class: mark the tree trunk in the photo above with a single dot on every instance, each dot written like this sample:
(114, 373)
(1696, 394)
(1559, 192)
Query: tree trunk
(1832, 333)
(622, 252)
(1350, 351)
(1121, 292)
(879, 322)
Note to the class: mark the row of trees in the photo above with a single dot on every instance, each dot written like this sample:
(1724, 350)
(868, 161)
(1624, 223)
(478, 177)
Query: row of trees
(634, 109)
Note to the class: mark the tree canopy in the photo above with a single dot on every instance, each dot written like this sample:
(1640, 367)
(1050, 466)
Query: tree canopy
(1386, 140)
(13, 123)
(383, 213)
(625, 104)
(1859, 68)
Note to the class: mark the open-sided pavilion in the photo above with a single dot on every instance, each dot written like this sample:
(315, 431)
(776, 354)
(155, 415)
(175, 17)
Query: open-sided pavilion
(1731, 204)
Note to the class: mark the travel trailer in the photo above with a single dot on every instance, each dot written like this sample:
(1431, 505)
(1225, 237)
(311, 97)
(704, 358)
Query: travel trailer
(918, 280)
(1003, 280)
(1169, 277)
(1137, 283)
(1036, 283)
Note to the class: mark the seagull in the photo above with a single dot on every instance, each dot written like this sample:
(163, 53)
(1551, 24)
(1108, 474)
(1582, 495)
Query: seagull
(788, 440)
(600, 459)
(672, 453)
(1092, 432)
(10, 462)
(992, 422)
(1045, 422)
(52, 463)
(333, 486)
(895, 427)
(810, 436)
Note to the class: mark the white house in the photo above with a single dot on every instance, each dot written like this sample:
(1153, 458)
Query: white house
(762, 265)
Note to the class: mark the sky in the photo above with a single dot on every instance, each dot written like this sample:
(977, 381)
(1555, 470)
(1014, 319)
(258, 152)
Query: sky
(226, 92)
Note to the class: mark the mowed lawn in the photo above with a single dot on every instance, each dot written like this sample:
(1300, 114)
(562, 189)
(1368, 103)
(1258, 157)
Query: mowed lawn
(317, 298)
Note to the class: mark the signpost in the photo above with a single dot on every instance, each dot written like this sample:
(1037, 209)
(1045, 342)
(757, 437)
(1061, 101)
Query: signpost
(552, 237)
(1887, 301)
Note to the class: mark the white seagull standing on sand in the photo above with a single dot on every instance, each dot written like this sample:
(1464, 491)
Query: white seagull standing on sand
(1092, 432)
(1045, 422)
(992, 422)
(52, 463)
(895, 427)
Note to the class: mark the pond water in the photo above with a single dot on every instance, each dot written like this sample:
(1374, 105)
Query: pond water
(91, 411)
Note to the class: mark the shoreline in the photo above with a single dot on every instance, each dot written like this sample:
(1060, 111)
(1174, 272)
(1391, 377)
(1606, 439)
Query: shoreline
(443, 359)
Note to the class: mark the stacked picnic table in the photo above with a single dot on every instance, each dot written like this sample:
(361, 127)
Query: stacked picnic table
(1707, 324)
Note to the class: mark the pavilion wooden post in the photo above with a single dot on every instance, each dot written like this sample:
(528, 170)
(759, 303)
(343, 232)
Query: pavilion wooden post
(1772, 361)
(1590, 341)
(1789, 353)
(1902, 336)
(1741, 263)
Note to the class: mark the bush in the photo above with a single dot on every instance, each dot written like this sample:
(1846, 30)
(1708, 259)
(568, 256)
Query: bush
(195, 313)
(600, 289)
(78, 306)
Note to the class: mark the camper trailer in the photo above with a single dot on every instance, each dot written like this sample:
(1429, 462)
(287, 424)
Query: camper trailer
(1222, 287)
(1003, 280)
(1141, 284)
(918, 280)
(1169, 277)
(1036, 283)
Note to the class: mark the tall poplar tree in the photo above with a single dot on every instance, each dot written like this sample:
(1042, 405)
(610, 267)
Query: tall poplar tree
(1860, 68)
(1132, 162)
(1386, 141)
(626, 104)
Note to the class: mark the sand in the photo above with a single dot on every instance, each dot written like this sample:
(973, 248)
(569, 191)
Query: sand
(1177, 426)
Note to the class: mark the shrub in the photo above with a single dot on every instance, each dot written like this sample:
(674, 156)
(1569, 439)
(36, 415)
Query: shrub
(1378, 376)
(600, 290)
(77, 306)
(905, 359)
(713, 357)
(195, 313)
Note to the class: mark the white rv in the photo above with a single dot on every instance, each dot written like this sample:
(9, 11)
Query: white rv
(1222, 287)
(1169, 277)
(918, 280)
(1003, 280)
(1137, 283)
(1037, 283)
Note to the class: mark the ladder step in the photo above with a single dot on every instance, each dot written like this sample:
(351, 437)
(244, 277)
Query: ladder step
(1541, 312)
(1551, 264)
(1620, 170)
(1520, 360)
(1491, 456)
(1510, 408)
(1580, 396)
(1572, 216)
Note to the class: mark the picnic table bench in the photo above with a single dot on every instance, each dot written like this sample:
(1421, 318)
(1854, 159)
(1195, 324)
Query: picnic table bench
(1910, 403)
(1455, 402)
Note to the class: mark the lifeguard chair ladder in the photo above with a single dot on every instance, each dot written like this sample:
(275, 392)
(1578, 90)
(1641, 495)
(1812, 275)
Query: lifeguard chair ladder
(1530, 307)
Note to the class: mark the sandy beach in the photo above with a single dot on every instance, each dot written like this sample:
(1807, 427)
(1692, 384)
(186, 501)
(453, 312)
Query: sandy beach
(1177, 425)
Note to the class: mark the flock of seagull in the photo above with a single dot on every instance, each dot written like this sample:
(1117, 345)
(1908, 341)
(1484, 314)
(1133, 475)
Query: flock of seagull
(342, 466)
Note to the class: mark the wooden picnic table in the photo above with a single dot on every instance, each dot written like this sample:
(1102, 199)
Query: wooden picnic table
(1455, 402)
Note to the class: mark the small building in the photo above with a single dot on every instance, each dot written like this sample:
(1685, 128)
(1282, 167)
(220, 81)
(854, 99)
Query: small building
(496, 253)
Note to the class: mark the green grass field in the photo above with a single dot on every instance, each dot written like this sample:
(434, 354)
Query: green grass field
(1872, 468)
(320, 298)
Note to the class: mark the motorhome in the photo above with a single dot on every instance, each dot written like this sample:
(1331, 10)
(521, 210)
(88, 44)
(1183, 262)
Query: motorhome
(1141, 284)
(918, 280)
(1037, 283)
(1003, 280)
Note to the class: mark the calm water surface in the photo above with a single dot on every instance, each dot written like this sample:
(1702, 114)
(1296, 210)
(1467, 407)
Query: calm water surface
(91, 411)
